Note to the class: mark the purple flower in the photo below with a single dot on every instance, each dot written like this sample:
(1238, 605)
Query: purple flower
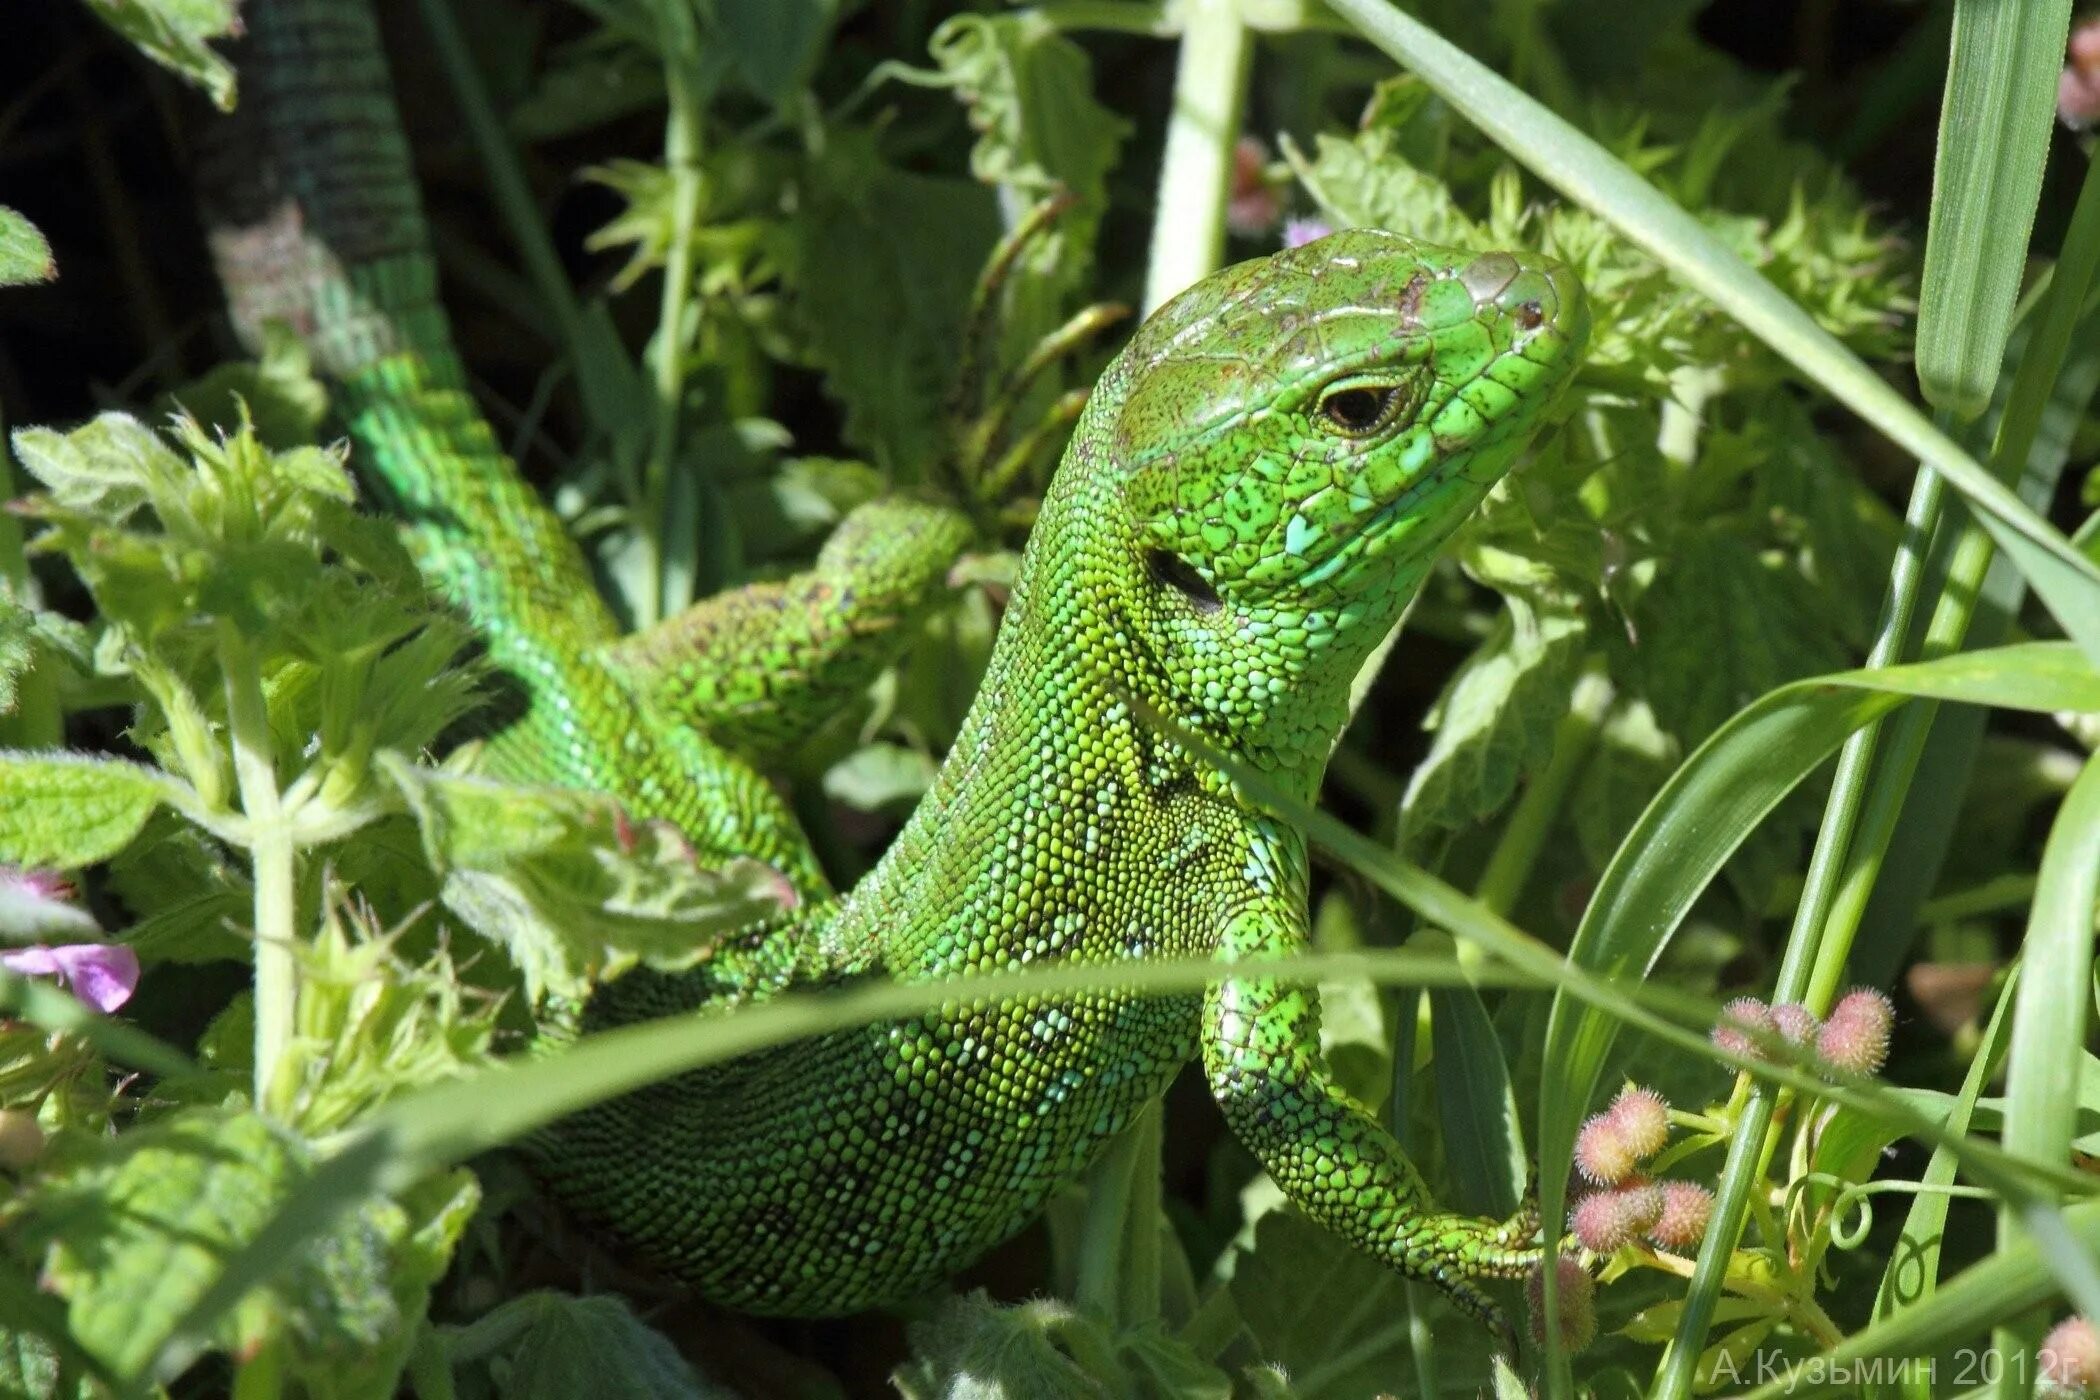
(1298, 232)
(101, 974)
(35, 904)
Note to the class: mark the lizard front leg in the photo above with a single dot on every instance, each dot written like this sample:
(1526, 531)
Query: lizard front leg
(758, 668)
(1330, 1156)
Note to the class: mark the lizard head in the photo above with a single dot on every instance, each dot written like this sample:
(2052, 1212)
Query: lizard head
(1291, 440)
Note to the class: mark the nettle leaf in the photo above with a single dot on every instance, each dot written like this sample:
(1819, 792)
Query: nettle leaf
(974, 1348)
(1495, 719)
(1336, 1321)
(107, 467)
(135, 1234)
(568, 886)
(176, 34)
(773, 45)
(63, 810)
(276, 391)
(17, 626)
(882, 247)
(880, 777)
(1721, 624)
(552, 1346)
(1030, 93)
(25, 255)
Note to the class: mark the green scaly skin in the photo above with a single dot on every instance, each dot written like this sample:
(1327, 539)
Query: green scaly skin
(1257, 487)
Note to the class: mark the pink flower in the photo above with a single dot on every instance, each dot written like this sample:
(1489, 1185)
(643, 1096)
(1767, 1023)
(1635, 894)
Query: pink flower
(1254, 205)
(34, 904)
(101, 974)
(1298, 232)
(1743, 1021)
(2070, 1360)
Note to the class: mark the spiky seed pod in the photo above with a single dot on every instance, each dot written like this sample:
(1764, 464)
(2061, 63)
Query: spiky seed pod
(1796, 1023)
(1578, 1312)
(1686, 1208)
(1603, 1153)
(1856, 1037)
(1742, 1022)
(1644, 1118)
(1608, 1220)
(2068, 1364)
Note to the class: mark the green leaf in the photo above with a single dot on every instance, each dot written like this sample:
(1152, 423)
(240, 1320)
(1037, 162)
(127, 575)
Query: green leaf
(568, 886)
(2054, 999)
(2066, 581)
(1995, 125)
(25, 255)
(552, 1346)
(879, 246)
(1335, 1321)
(109, 466)
(17, 627)
(176, 34)
(773, 45)
(880, 777)
(1030, 93)
(1714, 583)
(1495, 719)
(1713, 802)
(64, 811)
(138, 1232)
(972, 1349)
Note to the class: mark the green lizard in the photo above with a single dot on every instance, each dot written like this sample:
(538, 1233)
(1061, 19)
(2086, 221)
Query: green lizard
(1259, 483)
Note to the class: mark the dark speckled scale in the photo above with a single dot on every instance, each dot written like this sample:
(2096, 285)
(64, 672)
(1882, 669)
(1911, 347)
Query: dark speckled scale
(1227, 539)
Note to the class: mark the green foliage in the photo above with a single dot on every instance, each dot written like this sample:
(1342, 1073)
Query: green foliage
(177, 34)
(1630, 673)
(25, 254)
(551, 1346)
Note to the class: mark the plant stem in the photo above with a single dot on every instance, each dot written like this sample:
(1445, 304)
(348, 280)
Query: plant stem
(1195, 177)
(682, 138)
(1509, 867)
(1751, 1148)
(270, 855)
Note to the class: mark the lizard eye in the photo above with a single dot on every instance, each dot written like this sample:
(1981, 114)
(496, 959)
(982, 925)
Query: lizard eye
(1359, 409)
(1180, 575)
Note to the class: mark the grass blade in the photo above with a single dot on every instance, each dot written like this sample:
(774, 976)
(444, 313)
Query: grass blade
(1994, 140)
(2066, 581)
(2001, 1287)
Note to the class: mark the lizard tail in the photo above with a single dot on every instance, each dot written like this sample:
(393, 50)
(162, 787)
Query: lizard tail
(317, 222)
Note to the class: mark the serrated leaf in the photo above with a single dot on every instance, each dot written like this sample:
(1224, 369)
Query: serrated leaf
(62, 811)
(176, 34)
(1495, 719)
(1337, 1321)
(135, 1234)
(1714, 584)
(552, 1346)
(773, 44)
(879, 246)
(25, 255)
(109, 466)
(568, 886)
(972, 1349)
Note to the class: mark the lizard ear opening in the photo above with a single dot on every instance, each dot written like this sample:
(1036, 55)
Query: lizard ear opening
(1181, 576)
